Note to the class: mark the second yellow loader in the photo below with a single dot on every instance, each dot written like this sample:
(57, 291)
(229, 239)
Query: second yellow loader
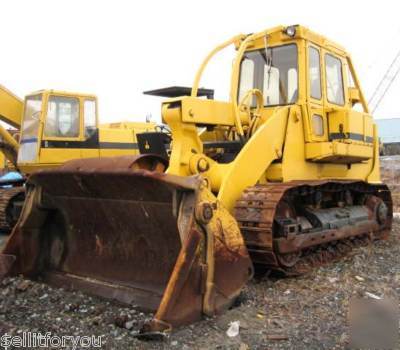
(52, 127)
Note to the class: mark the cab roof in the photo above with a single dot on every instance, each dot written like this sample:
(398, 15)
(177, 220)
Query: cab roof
(277, 35)
(62, 93)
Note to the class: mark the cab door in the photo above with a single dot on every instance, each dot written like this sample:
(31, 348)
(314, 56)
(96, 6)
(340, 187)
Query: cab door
(335, 95)
(318, 124)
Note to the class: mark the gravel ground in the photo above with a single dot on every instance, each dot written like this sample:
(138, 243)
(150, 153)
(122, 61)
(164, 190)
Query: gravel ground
(309, 312)
(390, 174)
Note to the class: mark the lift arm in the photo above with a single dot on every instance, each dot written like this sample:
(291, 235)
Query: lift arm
(254, 159)
(11, 108)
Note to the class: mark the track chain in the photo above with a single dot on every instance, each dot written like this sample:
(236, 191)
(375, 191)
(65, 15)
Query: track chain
(6, 196)
(256, 210)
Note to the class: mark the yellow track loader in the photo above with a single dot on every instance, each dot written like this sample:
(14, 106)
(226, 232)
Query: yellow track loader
(52, 128)
(285, 175)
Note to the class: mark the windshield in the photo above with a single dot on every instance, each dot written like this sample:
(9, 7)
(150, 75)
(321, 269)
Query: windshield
(30, 127)
(62, 117)
(273, 72)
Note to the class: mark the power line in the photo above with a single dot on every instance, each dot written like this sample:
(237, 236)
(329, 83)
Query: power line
(385, 83)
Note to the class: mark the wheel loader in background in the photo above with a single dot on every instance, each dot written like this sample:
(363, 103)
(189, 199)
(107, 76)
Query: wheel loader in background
(53, 127)
(284, 176)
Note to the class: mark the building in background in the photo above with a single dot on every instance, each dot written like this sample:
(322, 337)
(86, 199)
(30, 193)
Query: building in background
(389, 135)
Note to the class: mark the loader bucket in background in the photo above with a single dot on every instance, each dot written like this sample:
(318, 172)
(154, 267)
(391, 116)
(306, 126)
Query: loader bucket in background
(143, 237)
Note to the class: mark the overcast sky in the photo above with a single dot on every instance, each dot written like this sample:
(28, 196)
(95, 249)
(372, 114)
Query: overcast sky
(117, 49)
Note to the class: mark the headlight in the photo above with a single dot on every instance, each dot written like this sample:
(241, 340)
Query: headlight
(290, 31)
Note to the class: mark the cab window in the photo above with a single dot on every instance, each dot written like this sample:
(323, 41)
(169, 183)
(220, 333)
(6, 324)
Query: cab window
(314, 73)
(246, 77)
(273, 72)
(62, 117)
(89, 111)
(334, 80)
(30, 126)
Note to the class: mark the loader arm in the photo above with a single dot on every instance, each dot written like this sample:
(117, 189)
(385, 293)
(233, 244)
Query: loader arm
(227, 179)
(9, 146)
(255, 157)
(11, 108)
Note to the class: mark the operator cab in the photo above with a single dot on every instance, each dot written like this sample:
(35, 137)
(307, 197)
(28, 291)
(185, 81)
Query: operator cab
(55, 119)
(283, 67)
(336, 131)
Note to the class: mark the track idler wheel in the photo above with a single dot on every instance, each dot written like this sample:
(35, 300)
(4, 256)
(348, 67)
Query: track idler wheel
(286, 211)
(288, 260)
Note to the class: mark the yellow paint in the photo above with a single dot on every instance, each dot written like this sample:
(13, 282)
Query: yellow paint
(280, 143)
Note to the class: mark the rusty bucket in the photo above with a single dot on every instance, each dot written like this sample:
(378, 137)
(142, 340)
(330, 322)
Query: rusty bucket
(122, 229)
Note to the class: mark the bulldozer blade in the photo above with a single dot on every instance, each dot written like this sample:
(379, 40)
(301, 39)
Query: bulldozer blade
(160, 242)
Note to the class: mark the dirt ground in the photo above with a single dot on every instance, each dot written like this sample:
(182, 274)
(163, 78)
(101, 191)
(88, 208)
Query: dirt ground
(308, 312)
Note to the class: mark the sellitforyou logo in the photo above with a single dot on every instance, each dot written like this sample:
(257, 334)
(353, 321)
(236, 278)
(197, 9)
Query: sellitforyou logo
(39, 340)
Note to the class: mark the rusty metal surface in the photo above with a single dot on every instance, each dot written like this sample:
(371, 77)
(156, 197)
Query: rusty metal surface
(112, 226)
(133, 235)
(301, 242)
(142, 161)
(6, 261)
(261, 205)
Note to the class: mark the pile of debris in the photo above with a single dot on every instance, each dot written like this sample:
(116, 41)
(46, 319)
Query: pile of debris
(390, 173)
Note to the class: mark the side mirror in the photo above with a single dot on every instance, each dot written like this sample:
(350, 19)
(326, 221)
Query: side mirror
(354, 95)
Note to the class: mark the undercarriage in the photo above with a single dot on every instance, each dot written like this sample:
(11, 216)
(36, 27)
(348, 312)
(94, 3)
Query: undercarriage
(293, 227)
